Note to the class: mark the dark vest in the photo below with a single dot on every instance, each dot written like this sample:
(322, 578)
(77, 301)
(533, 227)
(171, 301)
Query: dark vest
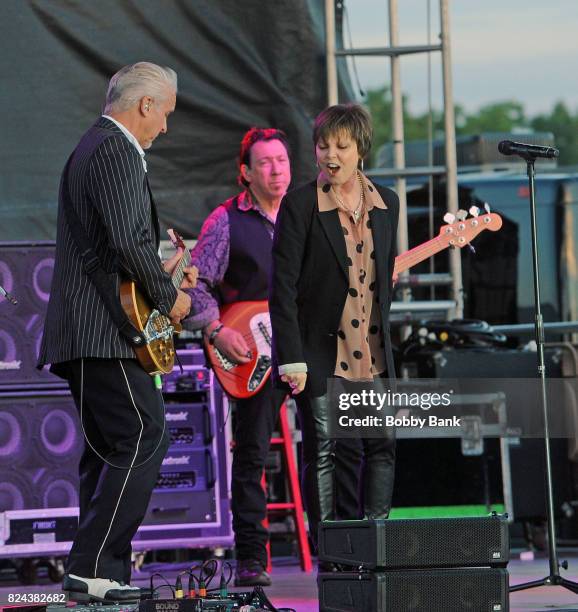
(247, 277)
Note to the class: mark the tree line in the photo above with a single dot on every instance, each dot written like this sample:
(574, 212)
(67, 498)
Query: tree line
(503, 116)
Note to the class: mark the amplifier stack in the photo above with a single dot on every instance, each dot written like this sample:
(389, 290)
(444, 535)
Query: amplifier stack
(415, 565)
(190, 505)
(41, 440)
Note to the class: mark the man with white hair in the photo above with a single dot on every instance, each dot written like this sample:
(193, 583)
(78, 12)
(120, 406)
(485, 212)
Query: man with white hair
(104, 190)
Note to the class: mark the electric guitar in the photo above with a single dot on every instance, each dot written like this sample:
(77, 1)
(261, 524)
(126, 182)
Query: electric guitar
(251, 318)
(157, 356)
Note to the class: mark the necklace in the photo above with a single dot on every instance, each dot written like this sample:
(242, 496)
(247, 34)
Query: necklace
(359, 210)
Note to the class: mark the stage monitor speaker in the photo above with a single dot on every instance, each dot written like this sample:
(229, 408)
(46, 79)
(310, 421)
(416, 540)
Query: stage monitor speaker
(416, 543)
(436, 590)
(40, 447)
(26, 273)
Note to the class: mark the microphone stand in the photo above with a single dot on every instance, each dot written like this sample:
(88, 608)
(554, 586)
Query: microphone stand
(554, 578)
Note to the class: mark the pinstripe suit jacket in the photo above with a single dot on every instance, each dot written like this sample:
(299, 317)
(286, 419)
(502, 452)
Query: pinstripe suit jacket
(108, 188)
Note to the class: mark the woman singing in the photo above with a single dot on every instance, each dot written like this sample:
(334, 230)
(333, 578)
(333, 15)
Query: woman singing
(331, 290)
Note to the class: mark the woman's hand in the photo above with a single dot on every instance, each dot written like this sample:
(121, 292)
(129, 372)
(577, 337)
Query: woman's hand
(295, 381)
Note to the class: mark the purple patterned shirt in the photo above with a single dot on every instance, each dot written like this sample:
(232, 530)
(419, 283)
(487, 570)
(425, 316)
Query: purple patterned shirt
(211, 256)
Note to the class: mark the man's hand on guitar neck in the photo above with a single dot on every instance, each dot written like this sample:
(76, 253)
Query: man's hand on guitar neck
(230, 342)
(190, 273)
(181, 307)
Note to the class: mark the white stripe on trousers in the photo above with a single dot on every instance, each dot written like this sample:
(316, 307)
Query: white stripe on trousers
(133, 459)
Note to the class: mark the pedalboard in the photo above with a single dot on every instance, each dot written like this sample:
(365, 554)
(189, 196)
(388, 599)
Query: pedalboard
(235, 602)
(194, 604)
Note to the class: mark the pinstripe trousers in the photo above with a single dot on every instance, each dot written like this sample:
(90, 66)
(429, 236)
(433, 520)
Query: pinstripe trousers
(122, 416)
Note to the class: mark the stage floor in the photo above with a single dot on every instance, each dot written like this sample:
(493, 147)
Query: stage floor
(295, 589)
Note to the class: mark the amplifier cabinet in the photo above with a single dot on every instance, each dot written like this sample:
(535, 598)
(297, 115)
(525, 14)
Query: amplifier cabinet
(41, 443)
(435, 590)
(26, 271)
(40, 447)
(185, 490)
(417, 543)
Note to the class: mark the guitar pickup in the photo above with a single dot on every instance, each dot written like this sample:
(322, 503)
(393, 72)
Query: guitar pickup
(226, 364)
(158, 327)
(262, 367)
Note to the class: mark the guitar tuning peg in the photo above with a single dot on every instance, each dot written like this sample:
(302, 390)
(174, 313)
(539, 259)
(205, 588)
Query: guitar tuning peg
(449, 218)
(474, 211)
(487, 207)
(461, 214)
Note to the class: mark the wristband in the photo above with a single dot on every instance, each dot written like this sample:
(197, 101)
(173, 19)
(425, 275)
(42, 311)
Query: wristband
(215, 333)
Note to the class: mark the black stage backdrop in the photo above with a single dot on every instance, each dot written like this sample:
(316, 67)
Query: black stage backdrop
(240, 63)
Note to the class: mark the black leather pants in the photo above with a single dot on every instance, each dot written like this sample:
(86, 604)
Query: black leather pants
(318, 475)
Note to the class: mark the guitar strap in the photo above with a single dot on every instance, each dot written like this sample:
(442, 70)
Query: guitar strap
(94, 270)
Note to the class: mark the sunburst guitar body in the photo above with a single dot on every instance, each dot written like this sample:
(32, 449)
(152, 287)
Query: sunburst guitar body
(157, 356)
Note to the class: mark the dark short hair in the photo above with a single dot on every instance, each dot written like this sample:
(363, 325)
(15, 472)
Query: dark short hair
(350, 118)
(258, 135)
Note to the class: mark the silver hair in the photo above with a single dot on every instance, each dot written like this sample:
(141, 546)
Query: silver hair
(132, 83)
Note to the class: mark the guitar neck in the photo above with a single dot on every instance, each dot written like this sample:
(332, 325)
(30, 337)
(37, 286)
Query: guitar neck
(179, 271)
(418, 254)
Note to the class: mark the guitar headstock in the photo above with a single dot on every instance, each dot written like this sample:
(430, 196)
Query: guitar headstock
(176, 239)
(464, 230)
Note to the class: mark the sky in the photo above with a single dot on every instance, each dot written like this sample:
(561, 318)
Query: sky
(523, 50)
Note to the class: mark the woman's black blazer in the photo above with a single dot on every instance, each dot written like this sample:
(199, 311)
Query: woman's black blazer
(310, 279)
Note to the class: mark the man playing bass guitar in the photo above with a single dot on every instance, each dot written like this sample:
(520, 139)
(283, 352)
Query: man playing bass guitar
(233, 255)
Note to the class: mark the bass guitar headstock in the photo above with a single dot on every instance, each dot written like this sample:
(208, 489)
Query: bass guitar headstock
(461, 232)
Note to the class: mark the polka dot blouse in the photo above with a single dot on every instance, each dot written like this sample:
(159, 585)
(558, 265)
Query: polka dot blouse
(360, 344)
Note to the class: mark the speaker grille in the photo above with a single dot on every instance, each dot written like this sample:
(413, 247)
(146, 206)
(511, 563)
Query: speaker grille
(416, 543)
(26, 272)
(450, 590)
(456, 542)
(460, 590)
(40, 447)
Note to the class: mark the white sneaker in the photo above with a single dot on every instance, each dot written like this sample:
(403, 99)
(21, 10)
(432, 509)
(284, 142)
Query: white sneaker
(98, 589)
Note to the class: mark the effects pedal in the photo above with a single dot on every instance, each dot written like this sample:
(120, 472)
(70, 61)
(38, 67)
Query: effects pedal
(234, 602)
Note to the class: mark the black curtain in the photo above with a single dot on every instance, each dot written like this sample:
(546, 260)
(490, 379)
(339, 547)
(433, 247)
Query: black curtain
(240, 64)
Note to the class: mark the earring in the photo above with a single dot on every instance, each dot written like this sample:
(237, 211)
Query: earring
(147, 107)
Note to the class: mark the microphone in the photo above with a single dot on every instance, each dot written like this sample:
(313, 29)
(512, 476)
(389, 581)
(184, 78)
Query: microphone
(527, 151)
(9, 297)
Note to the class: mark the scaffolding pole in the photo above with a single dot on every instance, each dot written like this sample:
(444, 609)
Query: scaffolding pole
(330, 57)
(398, 135)
(395, 51)
(451, 160)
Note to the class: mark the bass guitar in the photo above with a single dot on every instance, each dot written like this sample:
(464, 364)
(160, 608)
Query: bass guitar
(251, 319)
